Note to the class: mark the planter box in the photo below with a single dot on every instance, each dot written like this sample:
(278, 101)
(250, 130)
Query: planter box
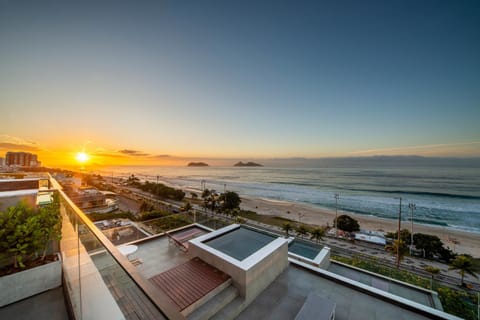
(30, 282)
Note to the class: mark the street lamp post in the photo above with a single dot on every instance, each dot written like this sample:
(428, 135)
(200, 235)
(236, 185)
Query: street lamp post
(336, 213)
(399, 226)
(412, 207)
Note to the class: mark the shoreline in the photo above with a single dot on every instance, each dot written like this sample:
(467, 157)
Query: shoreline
(468, 242)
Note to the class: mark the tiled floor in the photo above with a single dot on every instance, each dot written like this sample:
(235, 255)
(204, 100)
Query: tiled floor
(158, 255)
(284, 298)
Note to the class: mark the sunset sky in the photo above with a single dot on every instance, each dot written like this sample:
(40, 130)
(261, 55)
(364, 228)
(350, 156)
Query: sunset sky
(164, 81)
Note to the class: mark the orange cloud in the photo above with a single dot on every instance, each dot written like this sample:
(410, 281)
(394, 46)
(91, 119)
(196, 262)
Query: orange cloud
(10, 143)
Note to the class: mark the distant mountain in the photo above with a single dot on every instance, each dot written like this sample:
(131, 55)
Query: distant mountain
(197, 164)
(248, 164)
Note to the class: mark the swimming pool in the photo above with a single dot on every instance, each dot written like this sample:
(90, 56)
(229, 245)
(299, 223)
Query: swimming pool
(240, 243)
(303, 249)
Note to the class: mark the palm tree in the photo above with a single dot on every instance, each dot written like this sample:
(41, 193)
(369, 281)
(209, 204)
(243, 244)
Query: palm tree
(187, 207)
(287, 227)
(463, 264)
(302, 230)
(318, 234)
(433, 271)
(399, 249)
(206, 193)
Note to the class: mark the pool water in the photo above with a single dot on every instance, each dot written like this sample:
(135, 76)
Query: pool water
(240, 243)
(304, 249)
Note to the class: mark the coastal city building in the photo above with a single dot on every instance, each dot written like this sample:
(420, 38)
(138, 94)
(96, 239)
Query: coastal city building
(231, 271)
(21, 159)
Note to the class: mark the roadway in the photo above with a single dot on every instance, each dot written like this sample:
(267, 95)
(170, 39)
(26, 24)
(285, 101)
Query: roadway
(338, 246)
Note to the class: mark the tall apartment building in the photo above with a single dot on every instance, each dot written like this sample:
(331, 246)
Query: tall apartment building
(23, 159)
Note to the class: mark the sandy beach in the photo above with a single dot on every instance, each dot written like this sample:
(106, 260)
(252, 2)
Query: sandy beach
(466, 242)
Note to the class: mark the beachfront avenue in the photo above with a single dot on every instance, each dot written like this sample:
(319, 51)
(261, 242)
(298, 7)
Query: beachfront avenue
(339, 246)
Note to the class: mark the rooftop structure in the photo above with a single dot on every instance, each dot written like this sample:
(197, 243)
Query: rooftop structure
(31, 190)
(198, 273)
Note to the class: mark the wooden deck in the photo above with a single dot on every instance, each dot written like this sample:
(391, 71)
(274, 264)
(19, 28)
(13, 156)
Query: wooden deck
(180, 238)
(189, 282)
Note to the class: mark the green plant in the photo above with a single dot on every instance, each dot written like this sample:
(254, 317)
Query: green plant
(399, 249)
(25, 232)
(463, 264)
(302, 230)
(230, 200)
(318, 234)
(458, 303)
(433, 271)
(50, 224)
(287, 227)
(347, 223)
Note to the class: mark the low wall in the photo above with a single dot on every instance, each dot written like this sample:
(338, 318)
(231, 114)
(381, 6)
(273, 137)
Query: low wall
(30, 282)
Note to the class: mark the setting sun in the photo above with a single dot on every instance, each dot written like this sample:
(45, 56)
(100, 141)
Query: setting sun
(82, 157)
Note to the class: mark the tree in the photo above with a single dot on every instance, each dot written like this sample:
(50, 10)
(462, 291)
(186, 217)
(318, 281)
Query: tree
(433, 271)
(446, 254)
(346, 223)
(187, 207)
(463, 264)
(318, 234)
(405, 236)
(302, 230)
(193, 195)
(398, 249)
(431, 244)
(133, 181)
(206, 193)
(287, 227)
(230, 199)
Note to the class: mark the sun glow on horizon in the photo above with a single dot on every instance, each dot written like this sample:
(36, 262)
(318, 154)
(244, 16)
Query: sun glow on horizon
(82, 157)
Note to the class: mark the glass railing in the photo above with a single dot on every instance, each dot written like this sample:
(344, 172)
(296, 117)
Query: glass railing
(101, 283)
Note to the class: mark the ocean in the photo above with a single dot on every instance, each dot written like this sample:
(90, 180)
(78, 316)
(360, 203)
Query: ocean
(444, 196)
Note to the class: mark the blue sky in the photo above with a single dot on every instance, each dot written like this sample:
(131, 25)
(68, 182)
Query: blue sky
(242, 79)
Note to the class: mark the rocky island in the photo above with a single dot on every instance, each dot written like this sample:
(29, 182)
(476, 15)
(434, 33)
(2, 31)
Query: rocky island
(247, 164)
(197, 164)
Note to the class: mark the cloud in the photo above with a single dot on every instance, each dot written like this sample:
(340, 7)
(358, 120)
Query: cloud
(161, 156)
(108, 155)
(135, 153)
(15, 143)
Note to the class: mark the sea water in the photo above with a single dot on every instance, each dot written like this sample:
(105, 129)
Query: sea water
(444, 196)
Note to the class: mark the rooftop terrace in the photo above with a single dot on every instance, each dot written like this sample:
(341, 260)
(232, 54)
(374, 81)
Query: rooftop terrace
(160, 280)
